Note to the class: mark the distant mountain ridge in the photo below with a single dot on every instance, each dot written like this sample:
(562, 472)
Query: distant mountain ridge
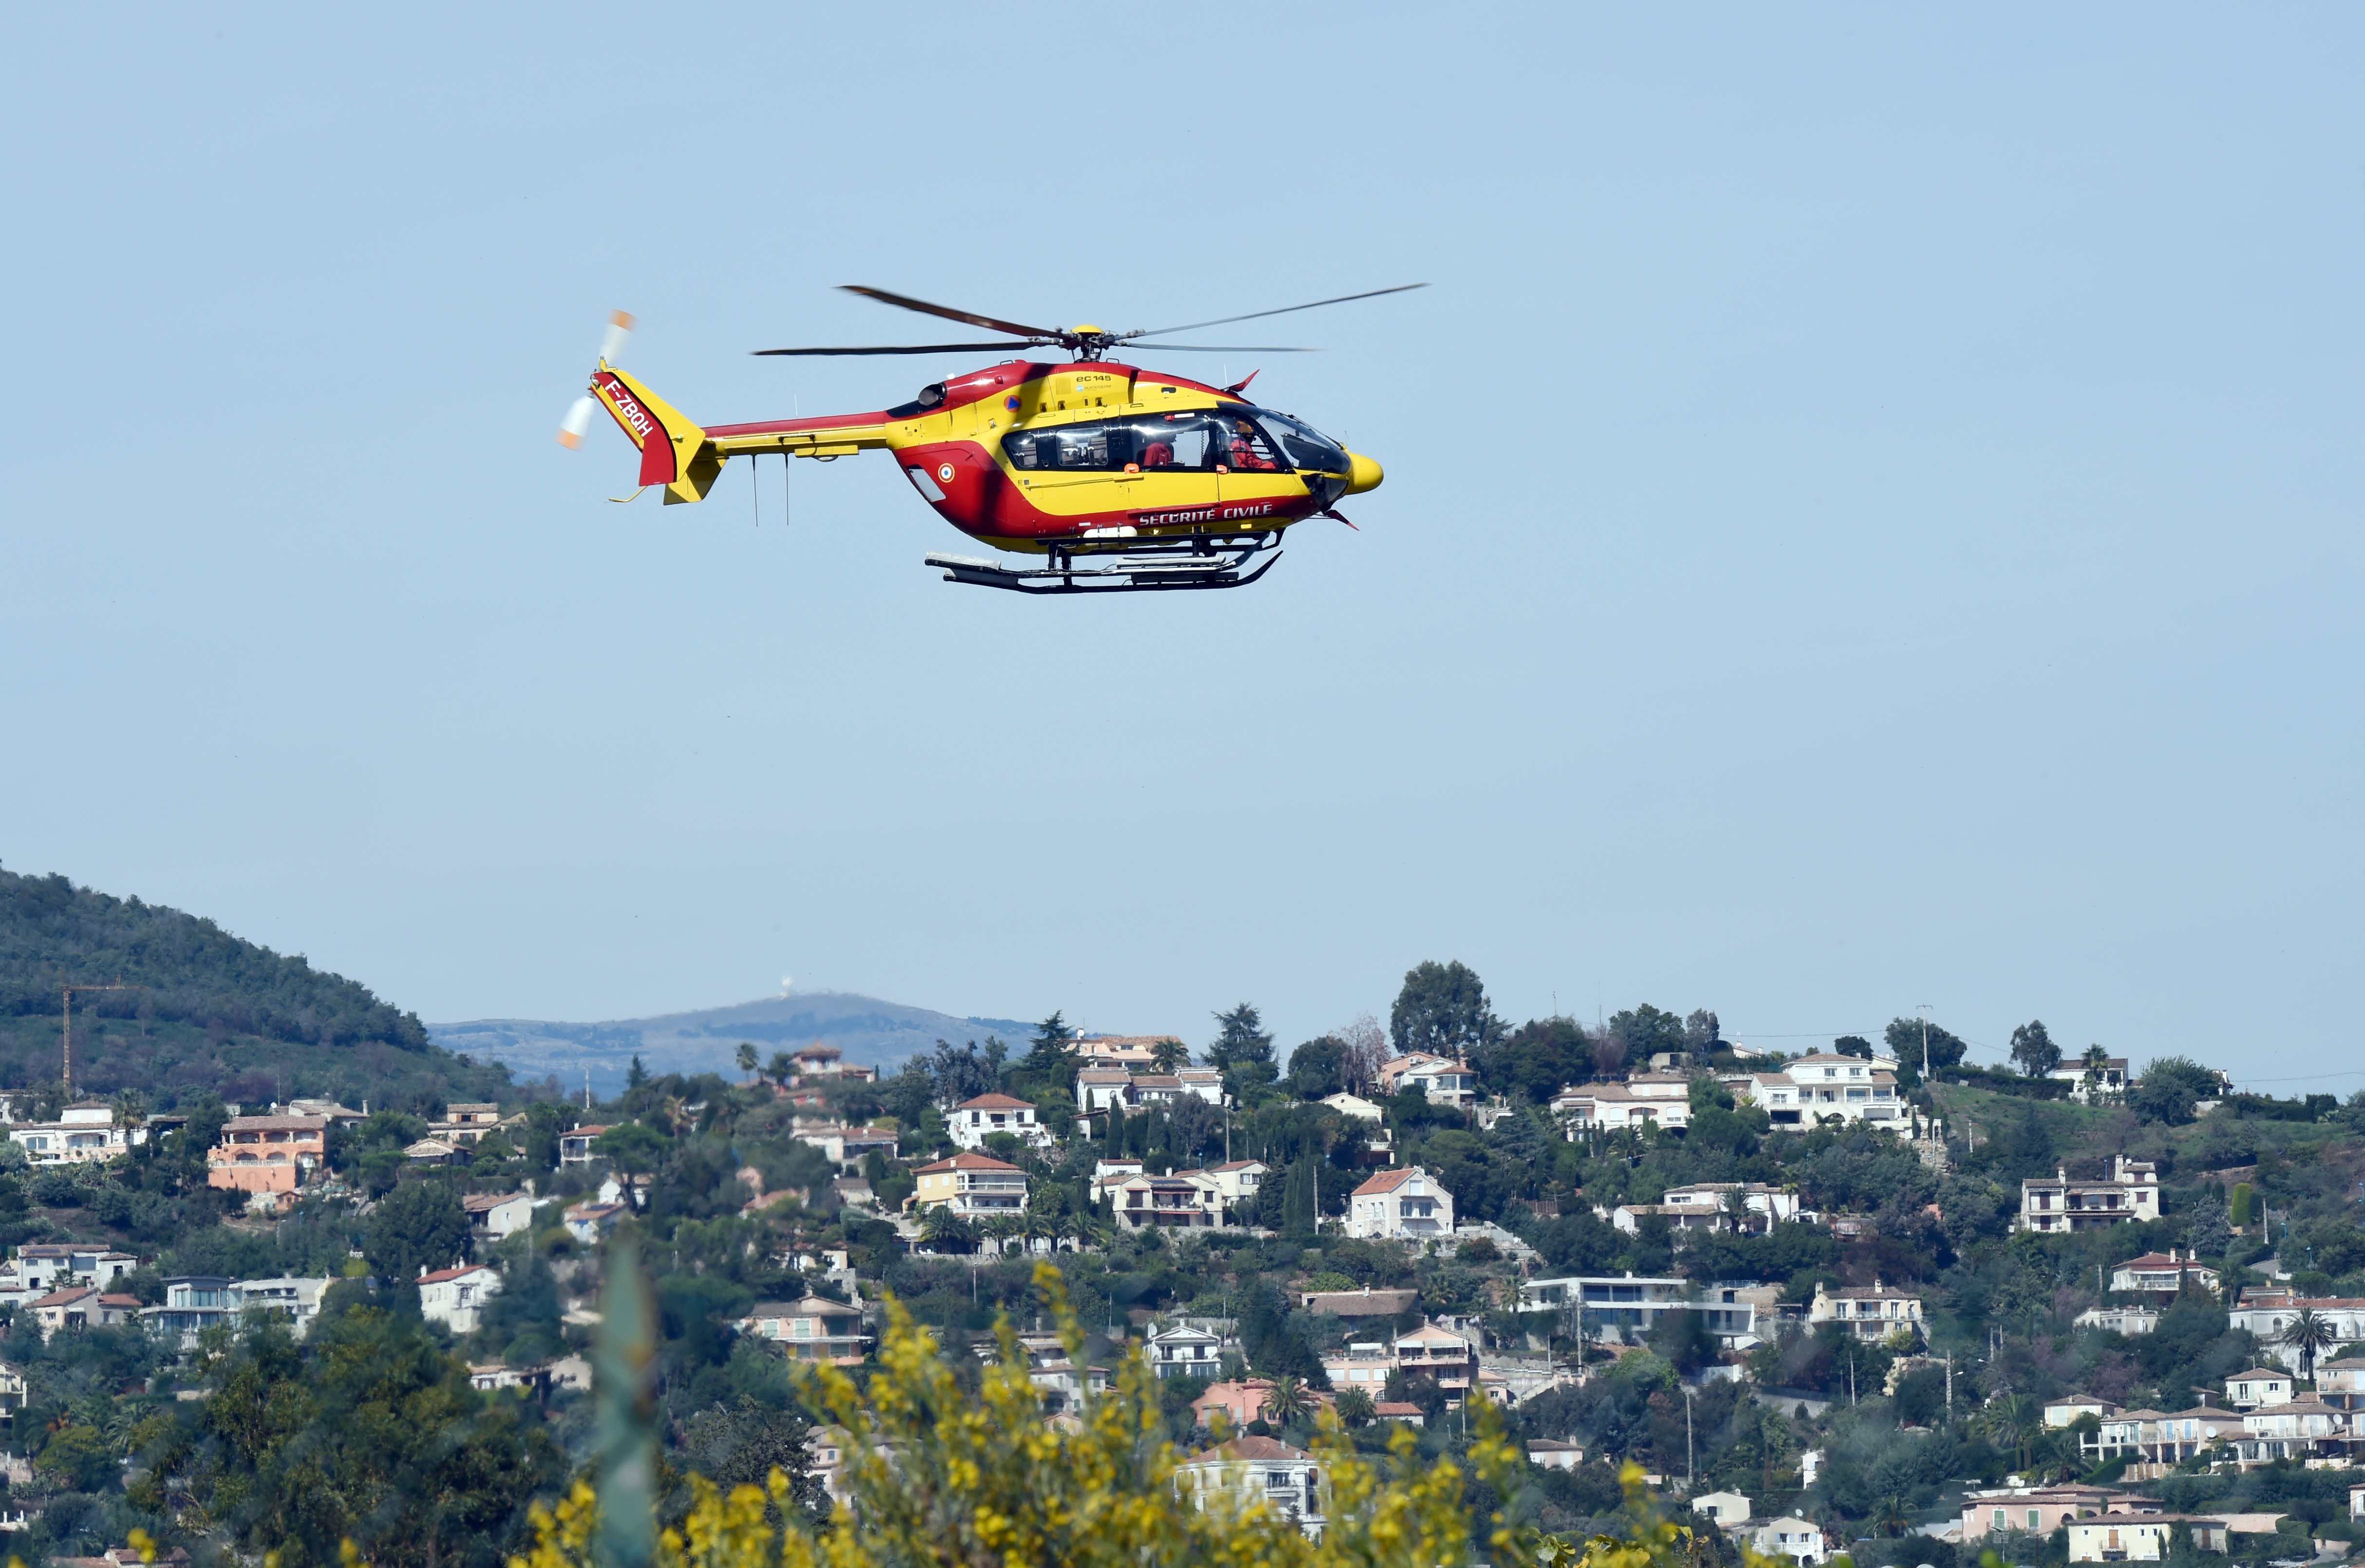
(870, 1032)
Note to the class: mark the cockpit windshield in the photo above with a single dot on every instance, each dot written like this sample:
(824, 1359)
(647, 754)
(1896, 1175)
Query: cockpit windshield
(1305, 446)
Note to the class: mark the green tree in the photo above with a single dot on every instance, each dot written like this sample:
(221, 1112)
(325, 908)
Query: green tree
(1314, 1069)
(1356, 1407)
(1168, 1054)
(1297, 1195)
(747, 1059)
(2033, 1048)
(1240, 1039)
(2012, 1424)
(634, 1147)
(78, 1459)
(1648, 1031)
(780, 1069)
(1051, 1057)
(1442, 1009)
(636, 1076)
(2309, 1333)
(365, 1432)
(1904, 1036)
(2169, 1088)
(2241, 1206)
(1287, 1400)
(419, 1225)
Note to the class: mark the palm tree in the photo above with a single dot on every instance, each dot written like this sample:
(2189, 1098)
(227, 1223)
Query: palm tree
(2011, 1422)
(942, 1227)
(1355, 1406)
(1737, 1211)
(747, 1060)
(1286, 1401)
(1891, 1516)
(2095, 1060)
(1000, 1229)
(2307, 1334)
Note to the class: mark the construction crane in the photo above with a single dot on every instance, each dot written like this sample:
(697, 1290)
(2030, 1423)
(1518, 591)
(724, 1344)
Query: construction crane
(65, 1036)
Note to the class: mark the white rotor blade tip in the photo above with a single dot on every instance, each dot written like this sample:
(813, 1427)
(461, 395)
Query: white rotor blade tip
(619, 327)
(572, 430)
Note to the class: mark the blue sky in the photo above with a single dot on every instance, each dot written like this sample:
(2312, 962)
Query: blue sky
(1871, 517)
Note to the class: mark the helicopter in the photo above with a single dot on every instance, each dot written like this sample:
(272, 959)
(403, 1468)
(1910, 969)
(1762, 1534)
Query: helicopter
(1122, 479)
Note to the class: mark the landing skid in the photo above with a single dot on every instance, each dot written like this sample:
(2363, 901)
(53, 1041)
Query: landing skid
(1134, 565)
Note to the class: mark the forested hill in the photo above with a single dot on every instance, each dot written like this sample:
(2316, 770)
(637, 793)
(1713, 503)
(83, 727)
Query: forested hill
(213, 1014)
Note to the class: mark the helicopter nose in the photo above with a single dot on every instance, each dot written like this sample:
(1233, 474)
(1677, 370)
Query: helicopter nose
(1362, 474)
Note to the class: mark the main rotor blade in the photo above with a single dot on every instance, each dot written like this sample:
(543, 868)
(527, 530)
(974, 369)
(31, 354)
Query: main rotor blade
(1204, 348)
(1254, 315)
(991, 323)
(907, 348)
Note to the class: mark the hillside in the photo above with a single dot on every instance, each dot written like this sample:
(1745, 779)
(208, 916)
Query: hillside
(213, 1014)
(870, 1032)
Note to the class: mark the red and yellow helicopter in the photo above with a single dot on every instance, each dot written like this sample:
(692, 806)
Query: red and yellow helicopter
(1126, 479)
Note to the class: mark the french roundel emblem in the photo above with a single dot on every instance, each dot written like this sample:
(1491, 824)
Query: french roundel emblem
(945, 473)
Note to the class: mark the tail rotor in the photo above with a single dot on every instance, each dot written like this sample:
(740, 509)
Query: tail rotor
(578, 423)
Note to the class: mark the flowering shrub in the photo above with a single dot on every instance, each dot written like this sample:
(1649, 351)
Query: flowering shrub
(938, 1475)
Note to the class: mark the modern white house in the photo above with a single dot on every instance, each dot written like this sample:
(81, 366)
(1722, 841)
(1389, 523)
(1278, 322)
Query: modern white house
(1868, 1311)
(1253, 1470)
(974, 1121)
(1407, 1204)
(2098, 1085)
(2163, 1274)
(497, 1214)
(1625, 1308)
(1727, 1508)
(2127, 1320)
(1616, 1107)
(1182, 1351)
(1792, 1537)
(1354, 1106)
(2131, 1192)
(455, 1297)
(86, 1131)
(2267, 1313)
(1824, 1086)
(1440, 1080)
(2258, 1388)
(1706, 1205)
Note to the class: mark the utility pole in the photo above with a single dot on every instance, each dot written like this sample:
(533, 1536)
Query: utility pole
(1950, 1386)
(1924, 1010)
(65, 1033)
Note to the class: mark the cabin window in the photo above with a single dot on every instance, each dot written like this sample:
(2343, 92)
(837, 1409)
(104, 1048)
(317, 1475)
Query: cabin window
(1177, 441)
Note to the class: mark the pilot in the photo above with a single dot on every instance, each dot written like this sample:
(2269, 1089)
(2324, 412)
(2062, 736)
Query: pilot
(1158, 455)
(1244, 448)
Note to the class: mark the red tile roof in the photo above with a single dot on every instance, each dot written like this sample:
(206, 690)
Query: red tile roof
(439, 1275)
(967, 1159)
(1250, 1448)
(1386, 1181)
(995, 1103)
